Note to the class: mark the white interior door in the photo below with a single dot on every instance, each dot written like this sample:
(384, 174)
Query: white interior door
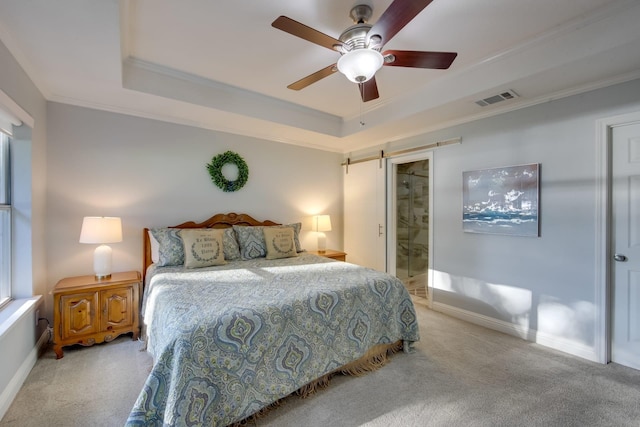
(364, 214)
(625, 332)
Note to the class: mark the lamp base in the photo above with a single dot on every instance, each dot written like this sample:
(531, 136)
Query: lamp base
(102, 262)
(322, 243)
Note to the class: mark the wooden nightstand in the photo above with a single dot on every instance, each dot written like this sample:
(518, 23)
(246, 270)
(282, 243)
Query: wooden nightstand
(330, 253)
(87, 311)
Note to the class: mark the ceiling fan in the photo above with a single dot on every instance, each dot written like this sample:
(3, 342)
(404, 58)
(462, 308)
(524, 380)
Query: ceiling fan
(360, 46)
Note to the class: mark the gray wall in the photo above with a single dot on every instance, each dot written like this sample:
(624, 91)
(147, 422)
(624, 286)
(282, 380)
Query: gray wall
(545, 285)
(17, 346)
(152, 173)
(17, 85)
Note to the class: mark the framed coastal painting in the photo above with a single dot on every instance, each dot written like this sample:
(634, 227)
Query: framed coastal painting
(501, 200)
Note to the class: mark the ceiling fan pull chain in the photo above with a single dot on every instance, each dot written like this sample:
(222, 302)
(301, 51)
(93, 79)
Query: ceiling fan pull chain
(362, 102)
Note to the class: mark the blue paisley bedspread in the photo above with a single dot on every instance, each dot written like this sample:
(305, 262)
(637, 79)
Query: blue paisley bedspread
(229, 340)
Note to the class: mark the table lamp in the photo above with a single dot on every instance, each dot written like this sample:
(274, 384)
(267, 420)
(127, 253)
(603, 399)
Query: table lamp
(101, 230)
(321, 223)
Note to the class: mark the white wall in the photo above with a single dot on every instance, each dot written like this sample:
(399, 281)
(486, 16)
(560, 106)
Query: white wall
(540, 288)
(152, 173)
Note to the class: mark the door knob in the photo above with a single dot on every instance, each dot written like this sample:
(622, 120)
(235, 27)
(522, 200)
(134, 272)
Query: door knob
(620, 257)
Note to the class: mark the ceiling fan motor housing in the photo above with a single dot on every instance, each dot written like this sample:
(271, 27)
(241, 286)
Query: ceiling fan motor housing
(355, 37)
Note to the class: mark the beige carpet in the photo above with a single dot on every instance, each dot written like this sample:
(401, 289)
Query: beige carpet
(459, 375)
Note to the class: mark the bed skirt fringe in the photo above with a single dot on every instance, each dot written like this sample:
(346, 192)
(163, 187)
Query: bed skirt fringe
(375, 358)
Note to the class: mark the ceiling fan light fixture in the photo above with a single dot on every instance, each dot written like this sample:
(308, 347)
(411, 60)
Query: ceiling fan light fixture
(360, 65)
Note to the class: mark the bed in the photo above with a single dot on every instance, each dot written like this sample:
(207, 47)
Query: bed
(229, 341)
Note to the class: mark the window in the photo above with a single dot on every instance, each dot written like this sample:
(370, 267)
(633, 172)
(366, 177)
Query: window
(5, 220)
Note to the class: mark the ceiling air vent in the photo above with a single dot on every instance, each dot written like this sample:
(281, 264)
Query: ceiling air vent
(497, 98)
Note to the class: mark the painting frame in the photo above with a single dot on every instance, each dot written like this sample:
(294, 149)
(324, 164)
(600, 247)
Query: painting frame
(502, 200)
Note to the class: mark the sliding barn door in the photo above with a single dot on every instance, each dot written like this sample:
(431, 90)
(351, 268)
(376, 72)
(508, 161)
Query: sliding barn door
(364, 214)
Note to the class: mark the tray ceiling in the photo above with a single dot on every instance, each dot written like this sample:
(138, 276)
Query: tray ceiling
(220, 65)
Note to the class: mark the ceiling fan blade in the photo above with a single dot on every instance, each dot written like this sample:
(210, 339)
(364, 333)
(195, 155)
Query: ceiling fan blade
(312, 78)
(419, 59)
(397, 15)
(369, 90)
(297, 29)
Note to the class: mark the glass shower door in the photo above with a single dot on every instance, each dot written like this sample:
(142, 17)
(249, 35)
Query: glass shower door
(412, 239)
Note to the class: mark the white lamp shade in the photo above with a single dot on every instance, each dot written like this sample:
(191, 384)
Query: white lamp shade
(360, 65)
(322, 223)
(101, 229)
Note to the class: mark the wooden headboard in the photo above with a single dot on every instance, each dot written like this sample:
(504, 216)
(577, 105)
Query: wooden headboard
(216, 221)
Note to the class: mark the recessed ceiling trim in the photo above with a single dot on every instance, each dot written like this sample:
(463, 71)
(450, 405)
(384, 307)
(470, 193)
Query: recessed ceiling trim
(169, 83)
(576, 24)
(255, 130)
(419, 132)
(124, 9)
(34, 73)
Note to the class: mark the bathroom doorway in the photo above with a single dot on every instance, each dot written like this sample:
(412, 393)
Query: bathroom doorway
(410, 219)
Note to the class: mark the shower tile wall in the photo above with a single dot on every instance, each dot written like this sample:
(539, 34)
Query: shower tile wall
(413, 225)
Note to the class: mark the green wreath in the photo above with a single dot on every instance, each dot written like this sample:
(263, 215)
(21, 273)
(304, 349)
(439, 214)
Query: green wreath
(215, 170)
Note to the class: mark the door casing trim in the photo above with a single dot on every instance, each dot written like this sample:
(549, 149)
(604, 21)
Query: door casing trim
(392, 163)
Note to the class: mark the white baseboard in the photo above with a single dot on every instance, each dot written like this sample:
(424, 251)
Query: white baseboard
(12, 389)
(43, 341)
(528, 334)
